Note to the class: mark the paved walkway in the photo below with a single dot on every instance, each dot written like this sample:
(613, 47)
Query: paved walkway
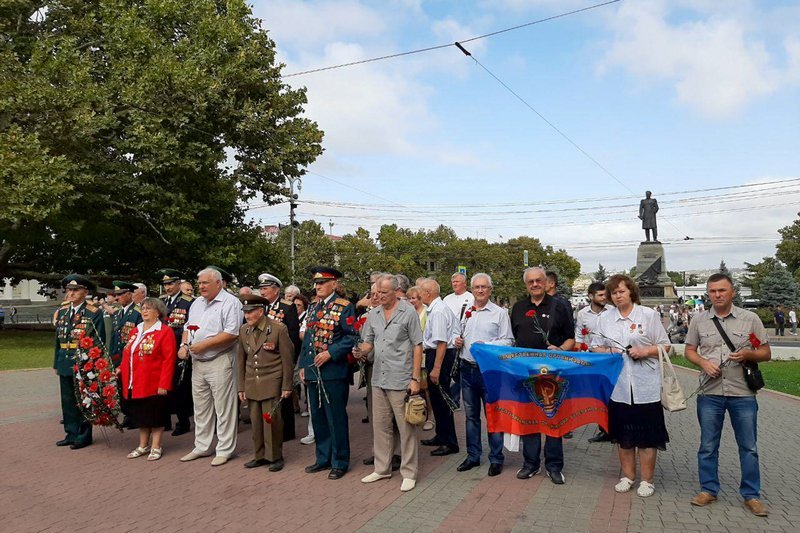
(45, 488)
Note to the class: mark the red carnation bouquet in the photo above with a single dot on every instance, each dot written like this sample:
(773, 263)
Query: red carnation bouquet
(96, 387)
(537, 326)
(270, 416)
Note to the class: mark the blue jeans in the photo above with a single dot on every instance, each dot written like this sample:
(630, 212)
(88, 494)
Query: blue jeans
(474, 391)
(743, 411)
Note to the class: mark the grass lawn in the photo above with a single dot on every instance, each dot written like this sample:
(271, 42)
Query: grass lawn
(783, 376)
(26, 349)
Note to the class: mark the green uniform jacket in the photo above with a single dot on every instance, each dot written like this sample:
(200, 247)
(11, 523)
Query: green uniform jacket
(88, 319)
(124, 322)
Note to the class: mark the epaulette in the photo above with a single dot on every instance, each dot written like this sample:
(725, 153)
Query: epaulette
(187, 298)
(342, 301)
(91, 307)
(287, 302)
(136, 307)
(164, 296)
(64, 305)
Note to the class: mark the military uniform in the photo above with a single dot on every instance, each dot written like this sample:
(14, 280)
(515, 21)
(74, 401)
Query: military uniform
(180, 397)
(285, 313)
(124, 320)
(70, 324)
(329, 328)
(265, 370)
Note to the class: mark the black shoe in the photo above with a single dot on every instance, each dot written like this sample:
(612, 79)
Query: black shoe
(369, 461)
(495, 469)
(337, 473)
(601, 436)
(430, 442)
(396, 461)
(444, 450)
(556, 477)
(79, 445)
(256, 462)
(180, 430)
(568, 435)
(64, 442)
(277, 466)
(365, 420)
(468, 464)
(527, 472)
(313, 469)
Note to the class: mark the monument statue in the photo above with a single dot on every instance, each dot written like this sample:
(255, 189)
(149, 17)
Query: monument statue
(648, 208)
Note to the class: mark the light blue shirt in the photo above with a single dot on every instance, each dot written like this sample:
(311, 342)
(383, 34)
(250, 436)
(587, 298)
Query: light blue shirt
(442, 326)
(490, 325)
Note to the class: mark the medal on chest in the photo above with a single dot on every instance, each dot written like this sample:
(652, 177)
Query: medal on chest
(147, 345)
(177, 318)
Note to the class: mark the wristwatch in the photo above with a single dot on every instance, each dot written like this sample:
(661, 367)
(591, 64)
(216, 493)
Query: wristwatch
(416, 379)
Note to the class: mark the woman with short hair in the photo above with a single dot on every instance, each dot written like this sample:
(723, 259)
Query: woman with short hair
(148, 364)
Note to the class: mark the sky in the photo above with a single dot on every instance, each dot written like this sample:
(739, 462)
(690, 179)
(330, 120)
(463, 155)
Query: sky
(554, 130)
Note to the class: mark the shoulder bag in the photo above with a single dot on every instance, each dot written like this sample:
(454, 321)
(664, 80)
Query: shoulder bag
(752, 375)
(672, 397)
(416, 412)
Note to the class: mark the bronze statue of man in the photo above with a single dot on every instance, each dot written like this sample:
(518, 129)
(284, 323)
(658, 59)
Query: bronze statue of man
(648, 208)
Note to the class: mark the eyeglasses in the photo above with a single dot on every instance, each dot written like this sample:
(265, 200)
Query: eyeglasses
(480, 287)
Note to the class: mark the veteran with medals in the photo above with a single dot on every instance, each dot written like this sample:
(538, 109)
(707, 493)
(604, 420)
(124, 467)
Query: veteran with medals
(286, 313)
(178, 304)
(75, 317)
(125, 319)
(328, 340)
(265, 368)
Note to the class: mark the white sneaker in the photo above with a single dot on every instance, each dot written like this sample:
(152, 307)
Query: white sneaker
(373, 477)
(308, 439)
(408, 484)
(624, 485)
(304, 414)
(646, 489)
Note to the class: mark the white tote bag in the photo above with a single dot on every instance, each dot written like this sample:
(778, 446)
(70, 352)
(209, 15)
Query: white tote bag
(672, 397)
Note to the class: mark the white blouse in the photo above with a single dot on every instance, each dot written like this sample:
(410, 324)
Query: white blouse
(642, 327)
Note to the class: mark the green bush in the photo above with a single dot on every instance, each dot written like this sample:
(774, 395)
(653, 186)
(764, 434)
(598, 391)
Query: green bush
(767, 316)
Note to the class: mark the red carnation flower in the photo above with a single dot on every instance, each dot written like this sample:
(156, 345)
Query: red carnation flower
(584, 331)
(360, 323)
(268, 418)
(93, 387)
(101, 364)
(75, 368)
(86, 342)
(95, 352)
(193, 327)
(110, 403)
(754, 341)
(170, 320)
(81, 334)
(350, 320)
(103, 420)
(584, 347)
(88, 367)
(468, 314)
(109, 390)
(531, 313)
(105, 376)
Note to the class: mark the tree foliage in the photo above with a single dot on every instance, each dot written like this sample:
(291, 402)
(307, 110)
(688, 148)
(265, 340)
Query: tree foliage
(788, 249)
(757, 272)
(601, 273)
(132, 131)
(779, 288)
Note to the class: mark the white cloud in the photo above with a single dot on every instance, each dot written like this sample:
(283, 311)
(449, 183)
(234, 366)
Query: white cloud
(718, 62)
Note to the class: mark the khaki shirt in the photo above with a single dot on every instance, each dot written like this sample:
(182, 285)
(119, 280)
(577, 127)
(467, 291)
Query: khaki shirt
(710, 345)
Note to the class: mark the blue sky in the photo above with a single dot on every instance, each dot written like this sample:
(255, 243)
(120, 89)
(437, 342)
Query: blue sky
(666, 95)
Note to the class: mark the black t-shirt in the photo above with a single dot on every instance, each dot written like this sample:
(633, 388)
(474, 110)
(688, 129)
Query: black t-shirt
(554, 317)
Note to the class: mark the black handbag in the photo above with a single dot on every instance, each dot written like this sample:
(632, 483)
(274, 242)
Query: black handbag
(752, 375)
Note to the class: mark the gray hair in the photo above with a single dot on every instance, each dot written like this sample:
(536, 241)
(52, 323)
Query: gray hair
(157, 305)
(403, 282)
(393, 283)
(215, 274)
(292, 289)
(141, 287)
(531, 269)
(457, 274)
(431, 285)
(482, 275)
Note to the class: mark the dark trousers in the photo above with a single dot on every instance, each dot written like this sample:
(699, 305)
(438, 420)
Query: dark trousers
(474, 390)
(445, 425)
(287, 413)
(329, 419)
(553, 452)
(77, 428)
(180, 397)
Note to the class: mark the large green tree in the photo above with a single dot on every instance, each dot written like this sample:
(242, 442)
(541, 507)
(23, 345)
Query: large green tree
(788, 249)
(133, 131)
(779, 288)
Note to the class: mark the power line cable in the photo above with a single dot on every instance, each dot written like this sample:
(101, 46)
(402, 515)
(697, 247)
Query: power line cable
(440, 46)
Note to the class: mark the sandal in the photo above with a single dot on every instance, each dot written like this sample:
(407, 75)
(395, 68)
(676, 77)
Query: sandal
(624, 485)
(138, 452)
(155, 454)
(646, 489)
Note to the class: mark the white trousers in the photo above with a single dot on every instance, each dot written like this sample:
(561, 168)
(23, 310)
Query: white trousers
(214, 394)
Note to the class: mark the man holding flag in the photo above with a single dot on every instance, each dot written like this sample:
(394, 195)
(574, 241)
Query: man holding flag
(544, 323)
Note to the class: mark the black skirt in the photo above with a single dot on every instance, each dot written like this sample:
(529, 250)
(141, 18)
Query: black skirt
(637, 426)
(149, 412)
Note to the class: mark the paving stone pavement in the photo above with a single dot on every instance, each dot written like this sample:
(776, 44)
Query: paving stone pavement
(45, 488)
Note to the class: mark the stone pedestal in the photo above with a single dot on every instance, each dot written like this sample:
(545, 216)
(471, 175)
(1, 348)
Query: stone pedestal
(655, 286)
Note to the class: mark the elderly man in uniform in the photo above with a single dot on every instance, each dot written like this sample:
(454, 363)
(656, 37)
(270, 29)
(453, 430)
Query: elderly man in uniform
(265, 363)
(127, 317)
(328, 340)
(210, 339)
(286, 313)
(178, 304)
(75, 316)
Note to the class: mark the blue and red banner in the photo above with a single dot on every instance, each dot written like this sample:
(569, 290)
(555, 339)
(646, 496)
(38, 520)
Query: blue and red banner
(542, 391)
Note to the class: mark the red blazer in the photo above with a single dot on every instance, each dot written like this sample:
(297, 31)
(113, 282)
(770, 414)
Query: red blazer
(152, 364)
